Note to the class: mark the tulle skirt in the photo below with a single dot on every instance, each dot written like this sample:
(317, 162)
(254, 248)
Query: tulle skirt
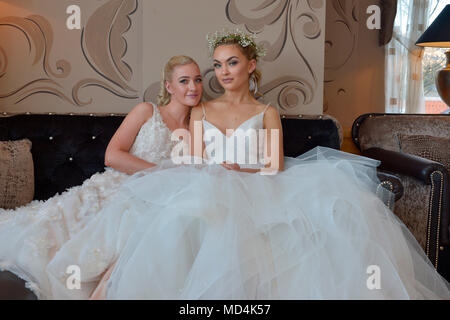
(317, 230)
(31, 235)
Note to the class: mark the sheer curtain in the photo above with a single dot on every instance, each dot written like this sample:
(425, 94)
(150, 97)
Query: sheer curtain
(403, 77)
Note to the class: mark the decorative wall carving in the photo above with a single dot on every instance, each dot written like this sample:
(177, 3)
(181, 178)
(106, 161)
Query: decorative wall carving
(103, 48)
(3, 62)
(341, 39)
(109, 22)
(289, 92)
(97, 67)
(39, 35)
(294, 24)
(340, 45)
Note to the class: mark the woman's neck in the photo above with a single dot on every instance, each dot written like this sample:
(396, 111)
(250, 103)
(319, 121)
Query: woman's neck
(177, 111)
(238, 97)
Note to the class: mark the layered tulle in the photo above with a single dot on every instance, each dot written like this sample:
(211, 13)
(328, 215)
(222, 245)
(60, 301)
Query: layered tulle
(317, 230)
(31, 235)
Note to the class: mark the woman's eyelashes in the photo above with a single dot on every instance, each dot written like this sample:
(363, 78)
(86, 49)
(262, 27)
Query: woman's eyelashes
(231, 63)
(186, 81)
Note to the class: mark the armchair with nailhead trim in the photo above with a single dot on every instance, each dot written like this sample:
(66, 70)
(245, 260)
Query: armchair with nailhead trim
(416, 149)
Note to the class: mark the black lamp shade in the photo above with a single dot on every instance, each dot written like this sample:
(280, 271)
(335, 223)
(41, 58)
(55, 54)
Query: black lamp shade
(438, 34)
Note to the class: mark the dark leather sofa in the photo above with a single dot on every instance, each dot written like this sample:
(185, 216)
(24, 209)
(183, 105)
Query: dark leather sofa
(67, 149)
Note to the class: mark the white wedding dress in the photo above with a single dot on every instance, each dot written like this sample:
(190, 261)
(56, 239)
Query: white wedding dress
(31, 235)
(317, 230)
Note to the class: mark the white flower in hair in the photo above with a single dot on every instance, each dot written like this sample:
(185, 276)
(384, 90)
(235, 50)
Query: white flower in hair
(244, 39)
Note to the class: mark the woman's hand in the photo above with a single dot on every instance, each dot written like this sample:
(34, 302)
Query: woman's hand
(231, 166)
(236, 167)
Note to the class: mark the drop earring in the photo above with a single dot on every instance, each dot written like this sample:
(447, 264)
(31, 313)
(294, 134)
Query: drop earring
(253, 84)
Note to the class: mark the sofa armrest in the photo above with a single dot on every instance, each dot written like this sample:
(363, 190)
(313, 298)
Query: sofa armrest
(428, 172)
(391, 182)
(403, 163)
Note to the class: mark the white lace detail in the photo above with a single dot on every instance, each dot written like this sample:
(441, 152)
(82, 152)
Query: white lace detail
(35, 232)
(153, 142)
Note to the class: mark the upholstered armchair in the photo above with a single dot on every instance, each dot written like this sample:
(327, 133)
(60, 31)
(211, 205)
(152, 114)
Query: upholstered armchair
(415, 148)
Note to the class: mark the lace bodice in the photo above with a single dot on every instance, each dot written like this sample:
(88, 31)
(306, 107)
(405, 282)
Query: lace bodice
(245, 146)
(153, 142)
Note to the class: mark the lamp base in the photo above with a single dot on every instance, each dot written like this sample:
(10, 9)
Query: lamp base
(443, 81)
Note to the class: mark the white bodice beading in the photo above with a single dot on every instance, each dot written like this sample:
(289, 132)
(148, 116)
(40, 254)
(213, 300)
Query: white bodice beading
(153, 142)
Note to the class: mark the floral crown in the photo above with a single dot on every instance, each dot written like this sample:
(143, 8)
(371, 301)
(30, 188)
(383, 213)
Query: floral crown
(244, 39)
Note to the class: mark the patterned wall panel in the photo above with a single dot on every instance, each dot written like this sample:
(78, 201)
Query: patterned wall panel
(115, 60)
(46, 67)
(291, 30)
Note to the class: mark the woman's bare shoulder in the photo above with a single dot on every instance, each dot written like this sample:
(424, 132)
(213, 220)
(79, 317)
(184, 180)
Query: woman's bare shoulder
(143, 108)
(141, 113)
(271, 114)
(268, 108)
(271, 110)
(197, 112)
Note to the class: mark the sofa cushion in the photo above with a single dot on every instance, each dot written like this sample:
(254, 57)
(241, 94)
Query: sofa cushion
(428, 147)
(16, 173)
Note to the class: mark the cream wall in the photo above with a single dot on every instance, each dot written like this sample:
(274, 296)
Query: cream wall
(115, 61)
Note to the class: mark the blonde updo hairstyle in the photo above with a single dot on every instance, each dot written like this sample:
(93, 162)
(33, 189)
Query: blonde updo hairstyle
(251, 53)
(164, 96)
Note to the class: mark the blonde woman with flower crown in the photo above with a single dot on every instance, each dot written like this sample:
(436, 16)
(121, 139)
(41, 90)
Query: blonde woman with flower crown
(224, 226)
(33, 235)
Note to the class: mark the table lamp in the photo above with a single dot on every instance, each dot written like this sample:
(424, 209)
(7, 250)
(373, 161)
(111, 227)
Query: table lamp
(438, 35)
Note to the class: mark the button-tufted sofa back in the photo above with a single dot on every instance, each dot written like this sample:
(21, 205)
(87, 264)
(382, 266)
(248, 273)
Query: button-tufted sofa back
(67, 149)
